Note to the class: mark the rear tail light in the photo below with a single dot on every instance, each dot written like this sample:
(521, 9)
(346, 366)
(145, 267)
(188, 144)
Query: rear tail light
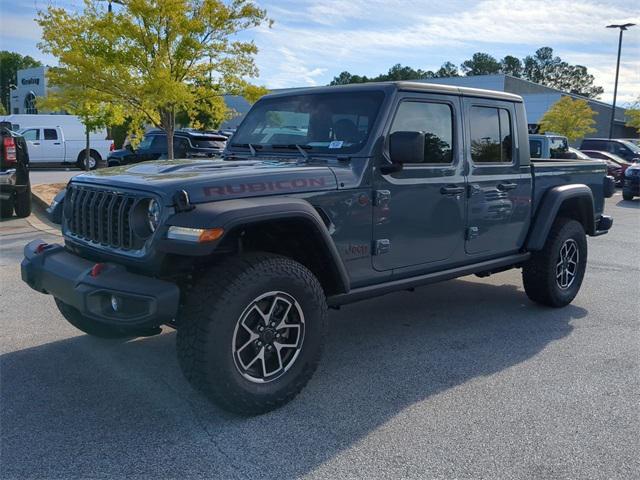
(9, 146)
(112, 147)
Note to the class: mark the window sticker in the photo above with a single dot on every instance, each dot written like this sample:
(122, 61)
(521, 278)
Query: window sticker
(336, 144)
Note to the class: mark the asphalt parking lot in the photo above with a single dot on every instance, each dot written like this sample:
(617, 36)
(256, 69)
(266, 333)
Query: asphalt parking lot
(464, 379)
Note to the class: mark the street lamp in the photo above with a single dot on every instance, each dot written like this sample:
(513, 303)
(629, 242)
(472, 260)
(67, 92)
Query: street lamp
(615, 87)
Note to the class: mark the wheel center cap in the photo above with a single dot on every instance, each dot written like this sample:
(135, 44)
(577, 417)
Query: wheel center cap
(268, 335)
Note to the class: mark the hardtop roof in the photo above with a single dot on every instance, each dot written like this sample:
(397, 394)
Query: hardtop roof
(403, 86)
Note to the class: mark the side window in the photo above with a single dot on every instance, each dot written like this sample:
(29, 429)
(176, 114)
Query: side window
(33, 134)
(159, 143)
(558, 147)
(50, 134)
(491, 135)
(535, 148)
(435, 120)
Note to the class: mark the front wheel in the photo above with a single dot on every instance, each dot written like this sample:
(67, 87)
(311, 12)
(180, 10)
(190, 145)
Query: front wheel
(553, 276)
(251, 332)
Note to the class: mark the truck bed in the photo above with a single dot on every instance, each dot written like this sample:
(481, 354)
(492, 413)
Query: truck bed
(548, 173)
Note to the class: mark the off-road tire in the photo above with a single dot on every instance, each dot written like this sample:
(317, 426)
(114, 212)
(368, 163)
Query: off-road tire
(89, 326)
(206, 330)
(22, 203)
(539, 272)
(6, 208)
(627, 195)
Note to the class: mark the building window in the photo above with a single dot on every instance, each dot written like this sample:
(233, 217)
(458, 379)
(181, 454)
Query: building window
(30, 103)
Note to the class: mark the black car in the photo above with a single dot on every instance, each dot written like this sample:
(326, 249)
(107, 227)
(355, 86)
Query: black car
(631, 186)
(186, 144)
(629, 151)
(15, 189)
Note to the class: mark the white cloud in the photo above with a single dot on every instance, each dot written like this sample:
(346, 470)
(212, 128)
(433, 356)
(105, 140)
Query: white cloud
(368, 37)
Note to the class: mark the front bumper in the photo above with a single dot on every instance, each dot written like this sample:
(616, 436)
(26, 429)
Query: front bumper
(144, 302)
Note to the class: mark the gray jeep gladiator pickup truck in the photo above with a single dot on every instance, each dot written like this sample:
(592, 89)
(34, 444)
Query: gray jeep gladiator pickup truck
(324, 197)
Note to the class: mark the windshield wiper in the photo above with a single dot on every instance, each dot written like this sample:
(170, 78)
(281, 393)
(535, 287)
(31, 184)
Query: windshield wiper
(300, 148)
(251, 147)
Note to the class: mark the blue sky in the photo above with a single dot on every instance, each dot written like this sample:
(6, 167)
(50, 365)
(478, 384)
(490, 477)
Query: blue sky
(312, 41)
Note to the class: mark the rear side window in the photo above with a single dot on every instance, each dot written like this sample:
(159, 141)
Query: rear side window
(159, 142)
(435, 120)
(535, 147)
(491, 135)
(558, 147)
(50, 134)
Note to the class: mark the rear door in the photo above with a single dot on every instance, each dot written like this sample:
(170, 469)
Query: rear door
(499, 191)
(52, 145)
(419, 211)
(33, 137)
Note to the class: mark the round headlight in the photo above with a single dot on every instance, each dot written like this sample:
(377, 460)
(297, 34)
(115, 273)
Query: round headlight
(153, 215)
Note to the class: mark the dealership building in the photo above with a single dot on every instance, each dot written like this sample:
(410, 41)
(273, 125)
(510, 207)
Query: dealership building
(32, 83)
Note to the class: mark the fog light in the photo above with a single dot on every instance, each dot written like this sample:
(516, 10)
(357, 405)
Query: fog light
(115, 303)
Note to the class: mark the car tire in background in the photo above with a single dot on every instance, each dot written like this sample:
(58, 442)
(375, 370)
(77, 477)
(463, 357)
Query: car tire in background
(627, 195)
(553, 275)
(251, 332)
(22, 204)
(94, 161)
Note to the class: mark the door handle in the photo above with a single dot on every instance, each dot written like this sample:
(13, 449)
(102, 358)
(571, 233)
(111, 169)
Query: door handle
(35, 143)
(503, 187)
(56, 143)
(451, 190)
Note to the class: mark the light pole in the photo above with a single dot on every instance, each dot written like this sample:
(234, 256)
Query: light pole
(615, 86)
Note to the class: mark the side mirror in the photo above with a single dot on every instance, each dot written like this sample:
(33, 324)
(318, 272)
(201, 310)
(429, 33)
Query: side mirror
(406, 147)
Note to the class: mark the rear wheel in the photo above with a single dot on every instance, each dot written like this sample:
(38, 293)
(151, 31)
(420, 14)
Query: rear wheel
(627, 195)
(553, 276)
(94, 161)
(23, 203)
(251, 333)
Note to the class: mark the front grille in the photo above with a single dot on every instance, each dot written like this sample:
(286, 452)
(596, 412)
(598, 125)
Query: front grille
(101, 216)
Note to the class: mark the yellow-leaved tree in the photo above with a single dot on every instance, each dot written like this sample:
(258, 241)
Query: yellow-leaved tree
(633, 115)
(569, 117)
(155, 58)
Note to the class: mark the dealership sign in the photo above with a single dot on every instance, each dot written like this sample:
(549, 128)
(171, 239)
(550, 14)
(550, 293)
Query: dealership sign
(31, 81)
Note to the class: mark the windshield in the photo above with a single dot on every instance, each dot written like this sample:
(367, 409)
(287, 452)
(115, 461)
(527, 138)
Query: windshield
(631, 146)
(322, 122)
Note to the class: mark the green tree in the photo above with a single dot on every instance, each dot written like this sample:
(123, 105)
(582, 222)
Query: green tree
(633, 115)
(447, 69)
(545, 69)
(2, 110)
(155, 58)
(569, 117)
(10, 63)
(93, 109)
(511, 65)
(480, 64)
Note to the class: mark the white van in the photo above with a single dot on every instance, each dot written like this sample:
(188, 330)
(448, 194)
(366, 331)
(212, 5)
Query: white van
(60, 139)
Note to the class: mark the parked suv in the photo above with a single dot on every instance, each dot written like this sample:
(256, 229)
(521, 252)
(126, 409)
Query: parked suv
(629, 151)
(186, 144)
(15, 189)
(631, 186)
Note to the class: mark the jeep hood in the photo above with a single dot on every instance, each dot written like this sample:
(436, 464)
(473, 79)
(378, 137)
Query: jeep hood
(209, 180)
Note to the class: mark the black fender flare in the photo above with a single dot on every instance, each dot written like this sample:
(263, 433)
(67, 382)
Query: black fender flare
(549, 207)
(232, 214)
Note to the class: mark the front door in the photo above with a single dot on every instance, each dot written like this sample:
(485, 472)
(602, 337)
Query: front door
(419, 211)
(33, 137)
(499, 188)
